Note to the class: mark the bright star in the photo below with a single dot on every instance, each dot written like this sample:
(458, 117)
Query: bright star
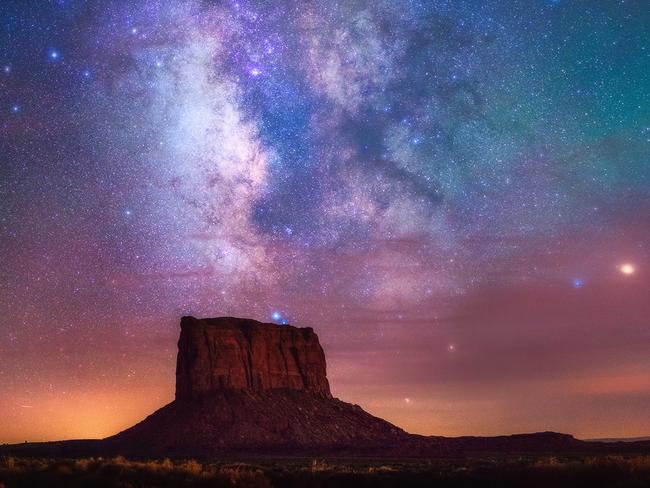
(451, 347)
(578, 282)
(54, 54)
(277, 317)
(627, 269)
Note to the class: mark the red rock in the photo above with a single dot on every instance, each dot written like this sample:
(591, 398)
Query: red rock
(230, 353)
(246, 386)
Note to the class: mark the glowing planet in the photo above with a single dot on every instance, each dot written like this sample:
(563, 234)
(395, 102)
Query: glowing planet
(627, 269)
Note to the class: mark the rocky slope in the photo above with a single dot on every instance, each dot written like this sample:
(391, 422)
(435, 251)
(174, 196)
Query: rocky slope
(270, 422)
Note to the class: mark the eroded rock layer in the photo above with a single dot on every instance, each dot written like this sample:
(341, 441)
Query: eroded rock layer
(230, 353)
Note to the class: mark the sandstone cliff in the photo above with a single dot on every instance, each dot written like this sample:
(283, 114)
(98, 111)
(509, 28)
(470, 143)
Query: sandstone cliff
(230, 353)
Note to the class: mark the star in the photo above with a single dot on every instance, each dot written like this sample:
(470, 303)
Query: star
(578, 282)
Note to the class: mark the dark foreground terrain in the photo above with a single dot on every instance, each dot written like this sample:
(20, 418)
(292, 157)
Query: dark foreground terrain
(499, 471)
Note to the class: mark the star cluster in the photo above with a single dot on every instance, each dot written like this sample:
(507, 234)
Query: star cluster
(448, 191)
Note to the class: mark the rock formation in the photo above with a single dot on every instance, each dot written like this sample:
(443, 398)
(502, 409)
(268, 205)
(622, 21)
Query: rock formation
(243, 354)
(247, 386)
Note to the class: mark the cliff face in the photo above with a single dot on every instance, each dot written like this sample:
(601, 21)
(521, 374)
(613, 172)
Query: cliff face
(230, 353)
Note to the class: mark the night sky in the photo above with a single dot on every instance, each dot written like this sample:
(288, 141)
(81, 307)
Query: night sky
(454, 194)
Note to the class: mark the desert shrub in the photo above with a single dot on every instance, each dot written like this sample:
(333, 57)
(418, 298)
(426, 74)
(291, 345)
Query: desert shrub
(151, 466)
(9, 463)
(83, 464)
(120, 461)
(167, 464)
(381, 469)
(192, 467)
(318, 465)
(548, 462)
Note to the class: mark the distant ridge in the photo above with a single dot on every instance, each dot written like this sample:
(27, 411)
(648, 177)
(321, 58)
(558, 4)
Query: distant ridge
(621, 439)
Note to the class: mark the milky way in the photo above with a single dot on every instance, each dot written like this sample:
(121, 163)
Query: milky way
(448, 191)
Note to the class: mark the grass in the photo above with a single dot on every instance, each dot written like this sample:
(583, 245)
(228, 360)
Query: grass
(497, 471)
(118, 471)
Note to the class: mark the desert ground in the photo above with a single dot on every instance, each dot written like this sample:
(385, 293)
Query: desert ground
(491, 471)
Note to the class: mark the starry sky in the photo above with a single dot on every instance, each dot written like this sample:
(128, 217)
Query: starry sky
(454, 194)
